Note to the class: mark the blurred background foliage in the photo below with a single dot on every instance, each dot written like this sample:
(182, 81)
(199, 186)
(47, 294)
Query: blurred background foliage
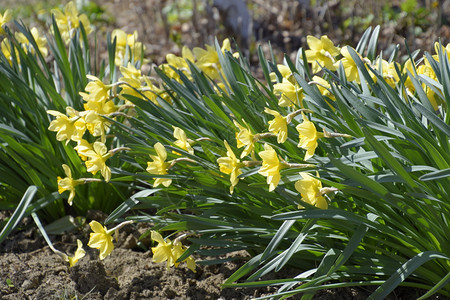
(165, 25)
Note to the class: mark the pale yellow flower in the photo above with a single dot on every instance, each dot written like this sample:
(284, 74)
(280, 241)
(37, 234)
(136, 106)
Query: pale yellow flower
(177, 250)
(6, 50)
(97, 90)
(159, 166)
(68, 183)
(5, 18)
(101, 239)
(350, 67)
(308, 137)
(68, 127)
(271, 166)
(322, 53)
(41, 41)
(124, 40)
(97, 160)
(230, 165)
(169, 251)
(82, 147)
(290, 93)
(285, 72)
(163, 251)
(69, 21)
(182, 140)
(79, 254)
(309, 188)
(245, 138)
(278, 125)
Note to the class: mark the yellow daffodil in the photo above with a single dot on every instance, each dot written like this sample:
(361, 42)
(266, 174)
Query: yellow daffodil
(69, 20)
(182, 140)
(96, 124)
(5, 18)
(285, 72)
(79, 254)
(278, 125)
(230, 165)
(245, 138)
(387, 71)
(101, 239)
(159, 165)
(163, 251)
(97, 90)
(169, 251)
(271, 166)
(350, 68)
(82, 147)
(308, 136)
(6, 50)
(97, 160)
(124, 40)
(290, 93)
(130, 71)
(177, 250)
(41, 41)
(322, 53)
(68, 183)
(68, 127)
(309, 188)
(445, 49)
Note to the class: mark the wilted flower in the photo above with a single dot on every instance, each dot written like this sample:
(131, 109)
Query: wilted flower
(79, 253)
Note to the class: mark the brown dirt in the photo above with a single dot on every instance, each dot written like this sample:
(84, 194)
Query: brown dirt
(30, 270)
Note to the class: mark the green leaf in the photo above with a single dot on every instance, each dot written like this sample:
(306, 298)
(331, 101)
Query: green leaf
(18, 213)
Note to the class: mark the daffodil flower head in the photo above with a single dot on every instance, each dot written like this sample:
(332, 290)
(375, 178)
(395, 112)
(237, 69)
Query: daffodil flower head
(350, 67)
(5, 18)
(309, 188)
(271, 166)
(40, 41)
(97, 160)
(68, 183)
(182, 140)
(130, 71)
(230, 165)
(278, 125)
(177, 250)
(68, 127)
(101, 239)
(124, 40)
(82, 147)
(290, 93)
(159, 166)
(79, 254)
(245, 138)
(285, 72)
(308, 136)
(8, 52)
(322, 53)
(163, 251)
(69, 20)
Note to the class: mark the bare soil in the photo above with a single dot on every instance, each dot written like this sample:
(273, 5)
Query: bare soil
(30, 270)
